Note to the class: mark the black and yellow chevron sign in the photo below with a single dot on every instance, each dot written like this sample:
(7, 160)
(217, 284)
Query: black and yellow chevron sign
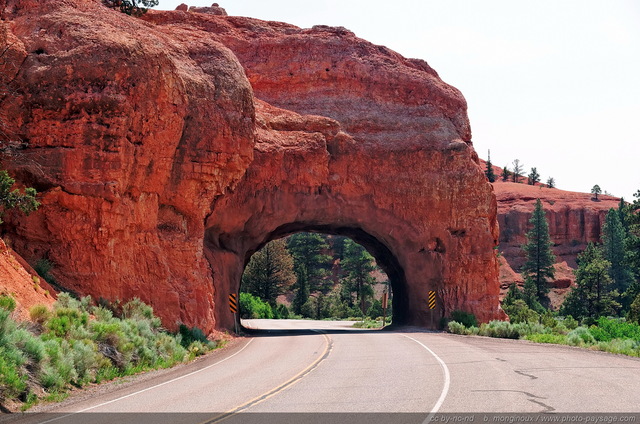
(432, 299)
(233, 303)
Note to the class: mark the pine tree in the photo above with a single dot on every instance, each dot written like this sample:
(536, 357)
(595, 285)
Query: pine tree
(632, 245)
(309, 249)
(269, 273)
(491, 176)
(358, 264)
(613, 245)
(540, 258)
(596, 190)
(301, 289)
(533, 177)
(513, 294)
(505, 173)
(593, 296)
(551, 183)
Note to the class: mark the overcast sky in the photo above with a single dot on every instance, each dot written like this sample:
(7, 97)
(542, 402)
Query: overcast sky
(555, 84)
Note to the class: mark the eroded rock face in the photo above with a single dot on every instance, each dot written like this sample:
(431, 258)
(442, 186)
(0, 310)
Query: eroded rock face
(162, 172)
(574, 219)
(130, 136)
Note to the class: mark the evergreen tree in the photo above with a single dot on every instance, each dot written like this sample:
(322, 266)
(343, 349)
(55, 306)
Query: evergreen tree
(613, 245)
(302, 289)
(513, 294)
(505, 173)
(596, 190)
(540, 258)
(269, 273)
(593, 296)
(551, 183)
(491, 176)
(358, 265)
(632, 245)
(533, 177)
(308, 250)
(634, 311)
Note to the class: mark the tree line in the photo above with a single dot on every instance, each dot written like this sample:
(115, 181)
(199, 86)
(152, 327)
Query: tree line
(516, 174)
(607, 277)
(329, 276)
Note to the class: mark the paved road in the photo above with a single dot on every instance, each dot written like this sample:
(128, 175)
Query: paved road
(321, 366)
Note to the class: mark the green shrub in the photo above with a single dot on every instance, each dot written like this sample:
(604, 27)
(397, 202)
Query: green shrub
(547, 338)
(66, 318)
(138, 310)
(7, 302)
(634, 311)
(456, 328)
(548, 320)
(465, 318)
(624, 347)
(580, 336)
(282, 312)
(39, 314)
(194, 334)
(102, 314)
(519, 311)
(253, 307)
(43, 267)
(500, 329)
(609, 328)
(13, 382)
(75, 350)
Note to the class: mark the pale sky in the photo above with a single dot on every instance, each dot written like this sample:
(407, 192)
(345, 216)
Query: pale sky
(555, 84)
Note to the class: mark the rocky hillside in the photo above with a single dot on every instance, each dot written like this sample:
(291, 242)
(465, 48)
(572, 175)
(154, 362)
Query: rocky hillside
(575, 219)
(20, 281)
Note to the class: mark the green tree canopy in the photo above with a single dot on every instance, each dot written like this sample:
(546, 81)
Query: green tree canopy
(533, 177)
(269, 273)
(613, 246)
(540, 258)
(9, 199)
(357, 265)
(593, 296)
(551, 183)
(491, 176)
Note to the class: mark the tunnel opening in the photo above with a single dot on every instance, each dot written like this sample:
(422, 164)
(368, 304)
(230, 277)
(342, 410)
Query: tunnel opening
(324, 302)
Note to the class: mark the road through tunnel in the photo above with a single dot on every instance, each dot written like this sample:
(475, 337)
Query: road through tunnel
(350, 281)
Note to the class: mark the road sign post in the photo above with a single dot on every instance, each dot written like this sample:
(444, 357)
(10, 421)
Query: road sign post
(233, 307)
(431, 302)
(384, 306)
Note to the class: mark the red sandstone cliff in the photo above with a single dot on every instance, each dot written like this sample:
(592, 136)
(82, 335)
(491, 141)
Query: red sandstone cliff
(168, 150)
(575, 219)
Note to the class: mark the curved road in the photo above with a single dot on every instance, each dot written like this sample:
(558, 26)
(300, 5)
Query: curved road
(321, 366)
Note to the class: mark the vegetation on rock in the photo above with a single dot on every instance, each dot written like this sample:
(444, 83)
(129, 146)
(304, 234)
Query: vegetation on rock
(79, 343)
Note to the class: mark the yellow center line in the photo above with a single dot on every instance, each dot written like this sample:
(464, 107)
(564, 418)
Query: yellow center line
(293, 380)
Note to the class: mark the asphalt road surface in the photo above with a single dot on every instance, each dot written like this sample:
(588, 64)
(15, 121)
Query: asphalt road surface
(342, 374)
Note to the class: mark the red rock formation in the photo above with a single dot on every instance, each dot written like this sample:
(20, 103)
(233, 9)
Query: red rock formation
(575, 219)
(162, 173)
(19, 281)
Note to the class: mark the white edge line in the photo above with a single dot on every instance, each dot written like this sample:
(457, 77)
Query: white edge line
(447, 380)
(148, 388)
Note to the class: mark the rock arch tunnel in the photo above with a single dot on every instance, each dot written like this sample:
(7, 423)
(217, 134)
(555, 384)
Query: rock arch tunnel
(214, 134)
(423, 231)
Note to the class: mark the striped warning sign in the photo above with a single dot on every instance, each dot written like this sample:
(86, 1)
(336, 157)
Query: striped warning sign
(432, 299)
(233, 303)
